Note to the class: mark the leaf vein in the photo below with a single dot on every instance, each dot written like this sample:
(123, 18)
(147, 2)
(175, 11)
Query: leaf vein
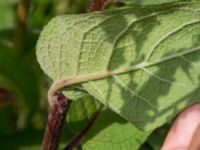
(162, 39)
(133, 92)
(166, 80)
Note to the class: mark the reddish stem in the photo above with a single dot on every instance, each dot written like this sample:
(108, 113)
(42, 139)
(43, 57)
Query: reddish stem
(60, 106)
(98, 5)
(81, 135)
(6, 97)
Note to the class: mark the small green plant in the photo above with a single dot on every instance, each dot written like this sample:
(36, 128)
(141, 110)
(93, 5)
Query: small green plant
(124, 71)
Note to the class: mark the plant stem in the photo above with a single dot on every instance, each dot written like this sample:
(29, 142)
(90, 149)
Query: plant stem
(81, 135)
(98, 5)
(59, 108)
(21, 20)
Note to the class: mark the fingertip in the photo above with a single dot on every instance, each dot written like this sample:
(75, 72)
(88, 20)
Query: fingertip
(182, 131)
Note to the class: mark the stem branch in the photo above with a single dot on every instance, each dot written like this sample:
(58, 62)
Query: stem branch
(59, 108)
(81, 135)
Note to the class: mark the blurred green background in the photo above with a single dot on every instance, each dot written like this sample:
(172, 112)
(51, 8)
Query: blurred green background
(23, 86)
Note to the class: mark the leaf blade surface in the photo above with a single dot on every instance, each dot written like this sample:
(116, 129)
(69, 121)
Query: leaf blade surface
(141, 63)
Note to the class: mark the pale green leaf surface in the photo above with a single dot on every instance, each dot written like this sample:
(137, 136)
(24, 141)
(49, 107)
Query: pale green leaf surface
(149, 2)
(155, 2)
(109, 132)
(74, 93)
(142, 63)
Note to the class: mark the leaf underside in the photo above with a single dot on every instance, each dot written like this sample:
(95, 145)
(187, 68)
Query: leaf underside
(142, 63)
(149, 2)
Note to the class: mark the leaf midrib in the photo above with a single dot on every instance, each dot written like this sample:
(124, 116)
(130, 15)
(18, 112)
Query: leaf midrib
(58, 85)
(77, 79)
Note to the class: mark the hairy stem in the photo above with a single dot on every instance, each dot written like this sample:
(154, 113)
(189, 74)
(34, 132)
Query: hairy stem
(81, 135)
(59, 108)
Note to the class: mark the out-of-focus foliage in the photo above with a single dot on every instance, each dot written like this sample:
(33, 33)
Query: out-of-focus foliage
(23, 86)
(7, 13)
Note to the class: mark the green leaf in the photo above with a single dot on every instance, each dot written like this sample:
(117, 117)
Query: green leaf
(17, 76)
(81, 112)
(7, 124)
(149, 2)
(7, 14)
(155, 2)
(109, 132)
(142, 63)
